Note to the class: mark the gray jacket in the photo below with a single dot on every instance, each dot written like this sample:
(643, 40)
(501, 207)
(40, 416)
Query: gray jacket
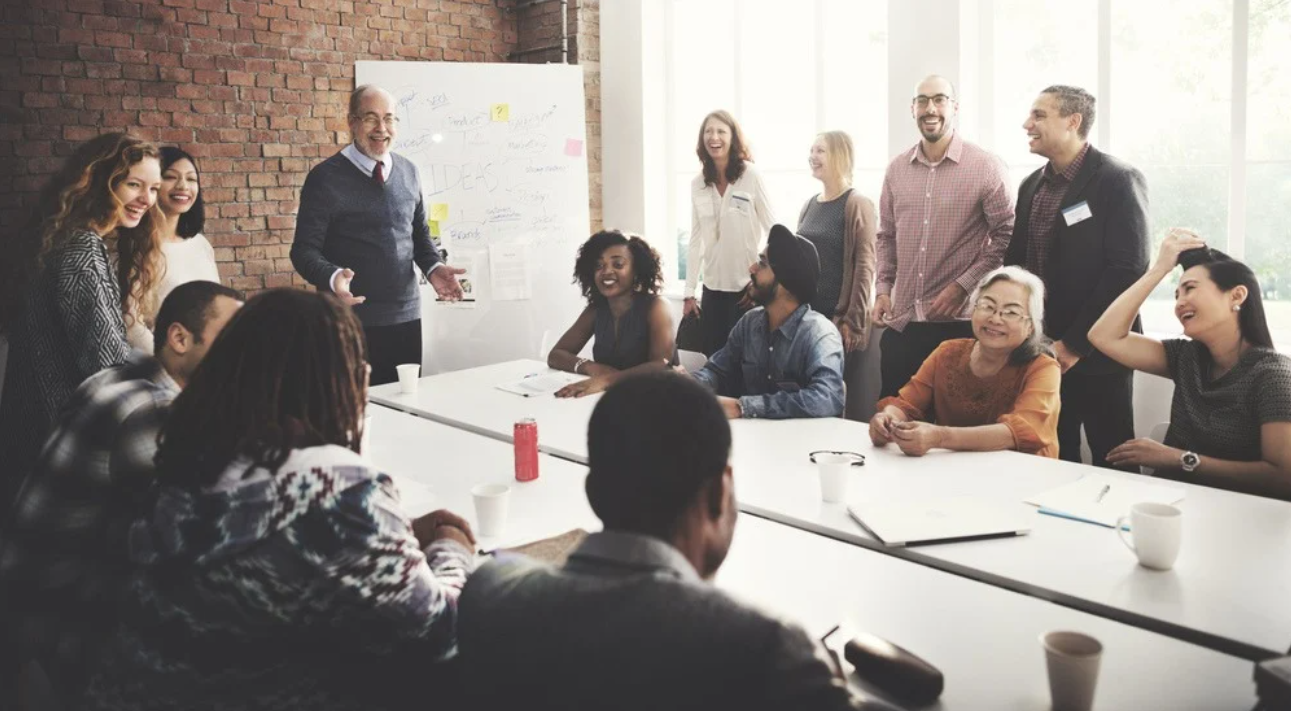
(627, 624)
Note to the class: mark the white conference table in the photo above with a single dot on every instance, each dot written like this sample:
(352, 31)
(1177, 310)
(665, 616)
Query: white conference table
(1227, 591)
(984, 639)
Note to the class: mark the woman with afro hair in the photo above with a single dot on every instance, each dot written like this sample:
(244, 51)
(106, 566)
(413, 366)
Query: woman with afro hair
(621, 277)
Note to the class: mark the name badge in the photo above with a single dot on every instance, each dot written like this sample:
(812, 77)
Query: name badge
(1077, 213)
(742, 203)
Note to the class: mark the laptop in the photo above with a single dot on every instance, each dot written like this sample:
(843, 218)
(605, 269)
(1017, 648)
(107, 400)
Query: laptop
(915, 522)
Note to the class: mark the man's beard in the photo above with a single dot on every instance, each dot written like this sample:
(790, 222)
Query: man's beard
(762, 296)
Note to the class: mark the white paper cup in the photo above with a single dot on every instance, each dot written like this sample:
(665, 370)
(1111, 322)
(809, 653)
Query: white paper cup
(491, 508)
(409, 375)
(834, 470)
(1072, 659)
(1158, 533)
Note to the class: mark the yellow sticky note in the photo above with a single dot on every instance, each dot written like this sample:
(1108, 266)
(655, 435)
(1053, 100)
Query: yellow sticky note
(434, 227)
(439, 211)
(500, 112)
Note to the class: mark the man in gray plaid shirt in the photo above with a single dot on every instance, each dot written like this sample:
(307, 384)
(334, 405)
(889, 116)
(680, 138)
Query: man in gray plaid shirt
(63, 563)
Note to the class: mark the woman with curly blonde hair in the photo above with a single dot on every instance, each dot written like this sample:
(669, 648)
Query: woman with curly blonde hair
(68, 285)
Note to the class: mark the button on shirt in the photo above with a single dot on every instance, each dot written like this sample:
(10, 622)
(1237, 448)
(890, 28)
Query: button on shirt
(940, 223)
(795, 371)
(1044, 211)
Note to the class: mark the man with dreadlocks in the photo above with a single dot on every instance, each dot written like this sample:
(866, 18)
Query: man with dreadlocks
(277, 569)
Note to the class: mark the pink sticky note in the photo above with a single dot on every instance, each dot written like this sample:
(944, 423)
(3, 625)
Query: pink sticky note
(573, 147)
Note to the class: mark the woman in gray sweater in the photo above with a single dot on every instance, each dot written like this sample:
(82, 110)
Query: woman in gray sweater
(64, 285)
(842, 224)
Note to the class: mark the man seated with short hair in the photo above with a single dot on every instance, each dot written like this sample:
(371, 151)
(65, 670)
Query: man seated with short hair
(782, 360)
(63, 562)
(630, 621)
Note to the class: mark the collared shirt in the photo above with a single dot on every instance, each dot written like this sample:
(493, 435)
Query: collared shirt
(940, 223)
(63, 557)
(366, 164)
(795, 371)
(621, 549)
(726, 231)
(1044, 210)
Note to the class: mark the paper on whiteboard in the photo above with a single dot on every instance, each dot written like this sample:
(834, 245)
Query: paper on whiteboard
(469, 280)
(509, 272)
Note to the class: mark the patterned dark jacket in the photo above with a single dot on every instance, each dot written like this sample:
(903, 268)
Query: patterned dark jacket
(70, 328)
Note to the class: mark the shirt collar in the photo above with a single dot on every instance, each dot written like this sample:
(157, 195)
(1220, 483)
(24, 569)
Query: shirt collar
(636, 550)
(366, 164)
(1069, 174)
(790, 326)
(953, 152)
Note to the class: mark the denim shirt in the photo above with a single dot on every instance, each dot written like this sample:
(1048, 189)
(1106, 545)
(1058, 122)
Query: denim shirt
(795, 372)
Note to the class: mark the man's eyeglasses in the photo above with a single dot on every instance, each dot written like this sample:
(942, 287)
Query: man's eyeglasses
(1009, 314)
(372, 120)
(938, 100)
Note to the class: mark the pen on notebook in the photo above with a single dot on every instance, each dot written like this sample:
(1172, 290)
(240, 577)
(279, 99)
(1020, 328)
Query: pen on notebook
(1101, 494)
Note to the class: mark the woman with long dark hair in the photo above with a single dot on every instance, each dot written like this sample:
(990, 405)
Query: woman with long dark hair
(66, 285)
(621, 277)
(276, 569)
(186, 254)
(1230, 420)
(731, 217)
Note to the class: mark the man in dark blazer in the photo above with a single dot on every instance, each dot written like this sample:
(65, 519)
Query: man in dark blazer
(631, 622)
(1082, 226)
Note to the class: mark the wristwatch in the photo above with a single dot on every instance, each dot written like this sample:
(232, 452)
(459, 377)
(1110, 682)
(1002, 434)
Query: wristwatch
(1189, 461)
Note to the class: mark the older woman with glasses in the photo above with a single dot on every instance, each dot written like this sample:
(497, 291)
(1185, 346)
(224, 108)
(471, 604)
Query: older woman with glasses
(997, 390)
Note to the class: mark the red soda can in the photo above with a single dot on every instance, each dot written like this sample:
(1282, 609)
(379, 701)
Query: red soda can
(526, 444)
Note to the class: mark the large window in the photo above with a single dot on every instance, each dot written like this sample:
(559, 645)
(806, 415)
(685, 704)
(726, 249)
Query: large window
(786, 71)
(1169, 84)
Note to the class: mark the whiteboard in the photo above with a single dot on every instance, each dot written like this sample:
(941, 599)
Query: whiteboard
(501, 153)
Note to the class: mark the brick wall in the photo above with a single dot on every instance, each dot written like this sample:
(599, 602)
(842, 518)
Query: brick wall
(255, 90)
(539, 41)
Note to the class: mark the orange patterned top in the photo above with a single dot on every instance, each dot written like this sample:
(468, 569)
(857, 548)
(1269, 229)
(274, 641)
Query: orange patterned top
(1023, 398)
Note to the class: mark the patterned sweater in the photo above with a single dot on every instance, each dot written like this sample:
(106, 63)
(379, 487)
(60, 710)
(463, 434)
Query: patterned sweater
(283, 590)
(70, 328)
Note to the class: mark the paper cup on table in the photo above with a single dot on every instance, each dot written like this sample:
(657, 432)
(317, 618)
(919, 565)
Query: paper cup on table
(409, 373)
(1157, 530)
(491, 508)
(834, 470)
(1072, 659)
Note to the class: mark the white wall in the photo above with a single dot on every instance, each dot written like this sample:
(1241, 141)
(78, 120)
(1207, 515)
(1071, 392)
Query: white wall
(925, 37)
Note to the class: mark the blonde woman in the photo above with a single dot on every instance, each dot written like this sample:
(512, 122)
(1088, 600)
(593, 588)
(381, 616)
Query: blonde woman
(841, 222)
(730, 219)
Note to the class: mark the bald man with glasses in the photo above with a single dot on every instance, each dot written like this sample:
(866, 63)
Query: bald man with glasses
(361, 233)
(945, 219)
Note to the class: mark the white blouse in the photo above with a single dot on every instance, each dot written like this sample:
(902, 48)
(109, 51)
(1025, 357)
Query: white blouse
(726, 231)
(185, 260)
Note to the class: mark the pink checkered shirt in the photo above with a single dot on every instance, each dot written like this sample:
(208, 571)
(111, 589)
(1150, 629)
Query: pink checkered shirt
(940, 223)
(1044, 211)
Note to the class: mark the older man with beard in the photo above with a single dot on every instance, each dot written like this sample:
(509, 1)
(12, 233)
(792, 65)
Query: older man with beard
(362, 227)
(945, 219)
(782, 359)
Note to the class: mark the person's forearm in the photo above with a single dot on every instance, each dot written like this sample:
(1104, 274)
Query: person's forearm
(1116, 321)
(986, 438)
(563, 360)
(1263, 477)
(896, 413)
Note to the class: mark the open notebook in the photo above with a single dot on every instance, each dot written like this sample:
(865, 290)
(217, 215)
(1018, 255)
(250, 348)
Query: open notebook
(541, 383)
(1101, 499)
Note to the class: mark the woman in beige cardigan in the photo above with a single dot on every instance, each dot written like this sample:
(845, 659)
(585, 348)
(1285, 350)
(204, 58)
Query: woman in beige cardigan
(842, 223)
